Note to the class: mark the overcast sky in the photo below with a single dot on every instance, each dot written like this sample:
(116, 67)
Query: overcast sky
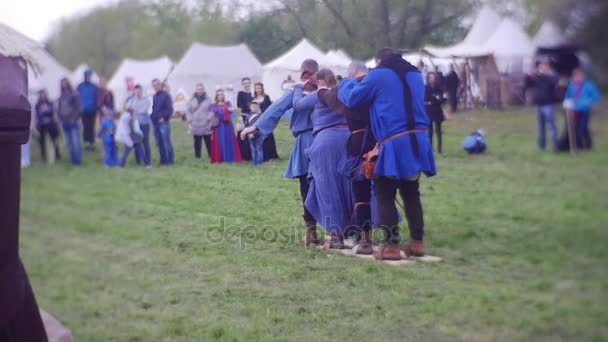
(37, 18)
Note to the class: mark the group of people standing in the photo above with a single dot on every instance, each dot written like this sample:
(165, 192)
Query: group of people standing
(374, 121)
(75, 108)
(210, 120)
(578, 94)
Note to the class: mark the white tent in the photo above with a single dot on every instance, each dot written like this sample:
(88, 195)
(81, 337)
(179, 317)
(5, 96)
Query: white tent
(506, 40)
(215, 66)
(77, 75)
(141, 72)
(483, 28)
(288, 64)
(549, 36)
(511, 46)
(338, 61)
(44, 72)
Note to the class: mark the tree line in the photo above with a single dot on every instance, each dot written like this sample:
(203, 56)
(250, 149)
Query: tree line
(149, 28)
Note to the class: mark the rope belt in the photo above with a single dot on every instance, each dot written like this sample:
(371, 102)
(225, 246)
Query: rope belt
(393, 137)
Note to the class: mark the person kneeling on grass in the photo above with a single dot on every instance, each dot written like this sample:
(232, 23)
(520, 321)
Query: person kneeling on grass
(256, 139)
(129, 133)
(475, 143)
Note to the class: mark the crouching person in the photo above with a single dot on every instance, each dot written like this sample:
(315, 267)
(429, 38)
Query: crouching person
(256, 140)
(129, 133)
(395, 92)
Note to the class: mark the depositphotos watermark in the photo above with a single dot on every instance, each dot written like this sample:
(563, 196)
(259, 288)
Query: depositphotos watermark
(234, 232)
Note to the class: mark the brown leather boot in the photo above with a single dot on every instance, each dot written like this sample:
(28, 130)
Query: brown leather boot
(334, 242)
(310, 236)
(388, 252)
(365, 246)
(415, 248)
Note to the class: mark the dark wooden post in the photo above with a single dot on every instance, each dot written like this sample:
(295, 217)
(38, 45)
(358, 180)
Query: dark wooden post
(19, 316)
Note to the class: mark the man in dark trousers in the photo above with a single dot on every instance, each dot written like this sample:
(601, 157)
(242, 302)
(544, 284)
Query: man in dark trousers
(162, 109)
(395, 92)
(545, 98)
(452, 82)
(87, 91)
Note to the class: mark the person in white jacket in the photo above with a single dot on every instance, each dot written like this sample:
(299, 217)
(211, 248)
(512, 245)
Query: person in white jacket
(129, 133)
(199, 119)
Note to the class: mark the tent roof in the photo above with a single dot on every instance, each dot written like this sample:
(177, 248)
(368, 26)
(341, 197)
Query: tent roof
(337, 58)
(45, 71)
(548, 36)
(142, 71)
(15, 44)
(508, 40)
(485, 25)
(228, 61)
(292, 59)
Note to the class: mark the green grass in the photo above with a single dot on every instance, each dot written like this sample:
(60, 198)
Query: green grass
(142, 255)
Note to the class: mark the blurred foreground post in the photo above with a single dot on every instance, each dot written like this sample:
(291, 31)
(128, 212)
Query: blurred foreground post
(19, 316)
(571, 129)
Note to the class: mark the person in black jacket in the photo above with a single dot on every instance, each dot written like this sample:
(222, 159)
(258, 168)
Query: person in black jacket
(270, 145)
(46, 123)
(452, 83)
(162, 109)
(433, 100)
(544, 84)
(243, 102)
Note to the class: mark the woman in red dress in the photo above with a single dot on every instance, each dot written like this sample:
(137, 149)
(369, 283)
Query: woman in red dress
(224, 146)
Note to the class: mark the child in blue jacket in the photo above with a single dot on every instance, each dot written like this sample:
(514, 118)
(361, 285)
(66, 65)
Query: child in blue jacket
(581, 95)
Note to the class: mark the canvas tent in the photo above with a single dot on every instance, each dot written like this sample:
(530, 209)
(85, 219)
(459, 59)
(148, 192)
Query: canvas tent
(288, 65)
(549, 36)
(77, 75)
(141, 72)
(215, 66)
(483, 28)
(45, 72)
(497, 53)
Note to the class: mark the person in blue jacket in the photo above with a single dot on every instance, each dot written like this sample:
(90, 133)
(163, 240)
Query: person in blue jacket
(87, 91)
(395, 92)
(581, 95)
(301, 127)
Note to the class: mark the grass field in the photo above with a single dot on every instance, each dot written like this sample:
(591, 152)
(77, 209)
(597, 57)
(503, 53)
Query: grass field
(199, 252)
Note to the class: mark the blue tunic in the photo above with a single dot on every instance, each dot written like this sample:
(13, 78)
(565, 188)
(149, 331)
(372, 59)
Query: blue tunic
(330, 198)
(301, 128)
(224, 138)
(382, 88)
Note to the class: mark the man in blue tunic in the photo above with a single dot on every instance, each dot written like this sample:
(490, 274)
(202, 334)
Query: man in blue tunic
(301, 127)
(395, 91)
